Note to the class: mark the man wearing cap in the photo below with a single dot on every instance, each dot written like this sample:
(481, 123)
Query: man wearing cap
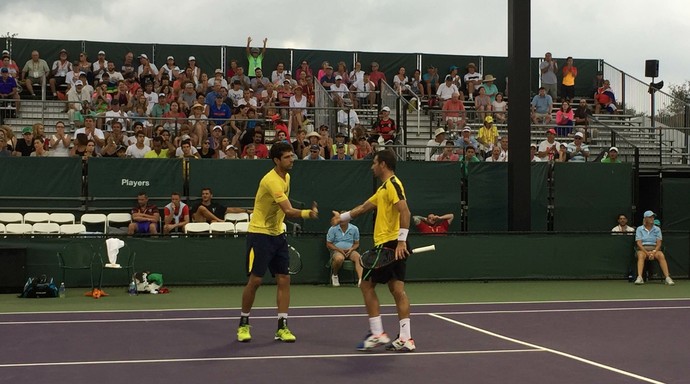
(340, 152)
(648, 240)
(231, 152)
(473, 80)
(384, 128)
(160, 108)
(76, 96)
(446, 90)
(548, 69)
(340, 139)
(26, 146)
(314, 152)
(146, 69)
(328, 78)
(255, 56)
(58, 74)
(465, 141)
(548, 149)
(434, 147)
(612, 157)
(541, 105)
(8, 87)
(578, 150)
(340, 93)
(490, 88)
(34, 72)
(219, 112)
(488, 134)
(100, 66)
(454, 112)
(218, 78)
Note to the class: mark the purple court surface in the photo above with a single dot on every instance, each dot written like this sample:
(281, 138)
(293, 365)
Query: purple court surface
(538, 342)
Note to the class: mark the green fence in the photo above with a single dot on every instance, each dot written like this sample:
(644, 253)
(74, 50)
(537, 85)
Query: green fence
(34, 182)
(221, 260)
(676, 210)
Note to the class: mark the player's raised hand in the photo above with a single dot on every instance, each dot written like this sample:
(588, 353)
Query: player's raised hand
(335, 220)
(314, 214)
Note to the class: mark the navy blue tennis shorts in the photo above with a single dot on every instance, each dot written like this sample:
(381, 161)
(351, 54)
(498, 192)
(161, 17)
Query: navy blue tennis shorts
(393, 271)
(267, 252)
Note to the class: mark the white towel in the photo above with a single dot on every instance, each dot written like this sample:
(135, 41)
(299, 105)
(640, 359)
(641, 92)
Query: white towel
(113, 247)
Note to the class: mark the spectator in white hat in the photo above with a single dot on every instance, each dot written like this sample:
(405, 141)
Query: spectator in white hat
(648, 240)
(578, 150)
(434, 147)
(612, 156)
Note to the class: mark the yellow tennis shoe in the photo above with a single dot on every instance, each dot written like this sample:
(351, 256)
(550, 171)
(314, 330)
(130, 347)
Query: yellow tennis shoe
(243, 334)
(284, 334)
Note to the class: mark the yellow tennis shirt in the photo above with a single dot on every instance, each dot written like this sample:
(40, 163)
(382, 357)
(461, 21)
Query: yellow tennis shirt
(267, 217)
(387, 222)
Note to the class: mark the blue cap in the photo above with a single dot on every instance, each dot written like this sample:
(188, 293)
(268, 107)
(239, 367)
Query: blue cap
(649, 214)
(4, 70)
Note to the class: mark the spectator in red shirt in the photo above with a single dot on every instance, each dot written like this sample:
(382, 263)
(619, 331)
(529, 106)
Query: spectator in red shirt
(433, 223)
(145, 217)
(176, 215)
(384, 127)
(376, 75)
(260, 149)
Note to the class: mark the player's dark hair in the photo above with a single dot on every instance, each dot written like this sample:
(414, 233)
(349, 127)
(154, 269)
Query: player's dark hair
(279, 149)
(142, 193)
(387, 156)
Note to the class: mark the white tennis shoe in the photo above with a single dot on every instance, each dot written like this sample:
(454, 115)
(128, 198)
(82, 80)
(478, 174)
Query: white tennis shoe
(372, 341)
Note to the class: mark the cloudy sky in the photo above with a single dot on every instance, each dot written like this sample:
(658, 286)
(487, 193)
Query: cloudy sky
(623, 32)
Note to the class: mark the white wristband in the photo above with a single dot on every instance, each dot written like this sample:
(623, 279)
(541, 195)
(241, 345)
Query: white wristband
(402, 234)
(345, 217)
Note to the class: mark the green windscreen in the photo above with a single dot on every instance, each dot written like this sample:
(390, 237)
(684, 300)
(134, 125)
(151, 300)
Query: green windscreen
(589, 196)
(115, 182)
(35, 182)
(676, 210)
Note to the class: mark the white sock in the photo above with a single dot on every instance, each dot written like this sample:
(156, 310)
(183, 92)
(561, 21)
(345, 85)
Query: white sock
(405, 332)
(375, 325)
(282, 315)
(244, 314)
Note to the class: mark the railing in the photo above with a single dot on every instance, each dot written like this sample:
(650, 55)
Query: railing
(668, 112)
(323, 100)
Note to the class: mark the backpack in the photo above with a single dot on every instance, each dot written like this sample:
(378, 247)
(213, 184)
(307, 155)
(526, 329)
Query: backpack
(38, 287)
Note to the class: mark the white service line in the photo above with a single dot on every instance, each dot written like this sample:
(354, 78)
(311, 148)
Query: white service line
(280, 357)
(564, 354)
(215, 318)
(348, 306)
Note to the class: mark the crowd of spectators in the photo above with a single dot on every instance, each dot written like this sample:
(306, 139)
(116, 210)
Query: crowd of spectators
(181, 110)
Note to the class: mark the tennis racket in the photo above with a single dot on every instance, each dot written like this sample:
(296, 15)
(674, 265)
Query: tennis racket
(295, 265)
(380, 257)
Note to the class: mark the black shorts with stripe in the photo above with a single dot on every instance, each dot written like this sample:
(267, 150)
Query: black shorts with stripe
(393, 271)
(266, 252)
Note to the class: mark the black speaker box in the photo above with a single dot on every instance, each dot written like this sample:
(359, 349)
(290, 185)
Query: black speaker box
(651, 68)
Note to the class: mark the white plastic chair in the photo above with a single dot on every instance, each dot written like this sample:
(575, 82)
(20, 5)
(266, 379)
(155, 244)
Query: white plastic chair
(119, 218)
(94, 218)
(18, 229)
(197, 228)
(284, 227)
(62, 218)
(11, 217)
(36, 217)
(72, 229)
(2, 228)
(235, 217)
(45, 228)
(242, 227)
(225, 227)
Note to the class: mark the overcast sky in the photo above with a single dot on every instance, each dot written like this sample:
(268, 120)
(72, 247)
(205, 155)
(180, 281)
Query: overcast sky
(623, 32)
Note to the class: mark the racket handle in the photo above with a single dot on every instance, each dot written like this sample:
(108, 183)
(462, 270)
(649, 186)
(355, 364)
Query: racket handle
(427, 248)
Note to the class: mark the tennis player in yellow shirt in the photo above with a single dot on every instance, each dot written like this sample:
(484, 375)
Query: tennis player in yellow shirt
(390, 231)
(267, 247)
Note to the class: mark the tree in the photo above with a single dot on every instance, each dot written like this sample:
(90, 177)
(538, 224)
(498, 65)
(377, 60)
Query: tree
(673, 112)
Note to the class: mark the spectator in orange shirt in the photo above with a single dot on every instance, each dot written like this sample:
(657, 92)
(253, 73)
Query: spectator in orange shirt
(568, 82)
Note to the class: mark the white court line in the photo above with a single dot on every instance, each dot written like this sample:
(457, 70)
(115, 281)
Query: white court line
(350, 306)
(346, 315)
(564, 354)
(280, 357)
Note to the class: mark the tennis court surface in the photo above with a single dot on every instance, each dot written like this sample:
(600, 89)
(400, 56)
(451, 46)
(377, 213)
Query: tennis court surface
(625, 340)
